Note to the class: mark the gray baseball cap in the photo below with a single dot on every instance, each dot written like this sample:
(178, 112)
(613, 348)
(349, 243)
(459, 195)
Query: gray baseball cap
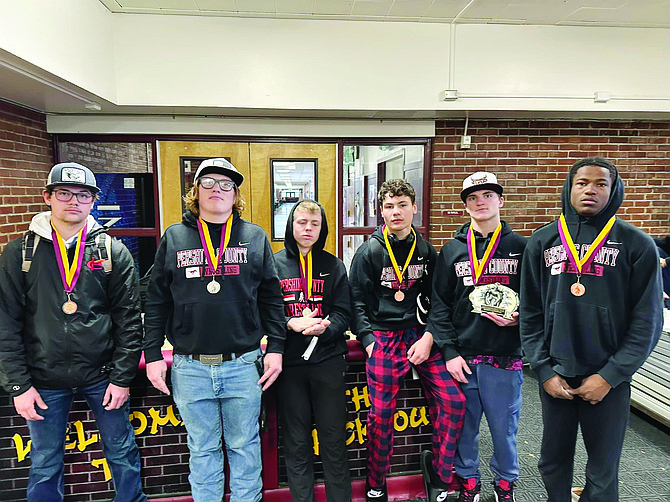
(71, 173)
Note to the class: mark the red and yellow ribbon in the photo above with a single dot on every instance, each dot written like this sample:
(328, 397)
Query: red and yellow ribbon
(569, 244)
(214, 259)
(69, 273)
(399, 273)
(478, 267)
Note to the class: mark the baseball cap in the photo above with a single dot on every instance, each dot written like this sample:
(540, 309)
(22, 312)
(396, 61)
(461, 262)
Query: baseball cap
(480, 180)
(71, 173)
(221, 166)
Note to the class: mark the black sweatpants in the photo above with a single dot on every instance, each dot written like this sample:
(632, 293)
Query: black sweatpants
(603, 428)
(319, 388)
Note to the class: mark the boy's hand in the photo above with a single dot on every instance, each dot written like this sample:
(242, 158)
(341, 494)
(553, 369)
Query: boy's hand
(420, 350)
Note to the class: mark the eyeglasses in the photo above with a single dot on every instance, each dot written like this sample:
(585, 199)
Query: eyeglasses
(224, 185)
(65, 196)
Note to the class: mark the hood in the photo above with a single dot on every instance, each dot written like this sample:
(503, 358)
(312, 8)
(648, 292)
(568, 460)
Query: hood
(599, 220)
(191, 220)
(393, 240)
(462, 233)
(289, 241)
(41, 225)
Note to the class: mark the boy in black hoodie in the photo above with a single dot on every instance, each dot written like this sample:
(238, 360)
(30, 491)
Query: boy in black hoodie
(215, 293)
(590, 315)
(475, 325)
(390, 275)
(318, 310)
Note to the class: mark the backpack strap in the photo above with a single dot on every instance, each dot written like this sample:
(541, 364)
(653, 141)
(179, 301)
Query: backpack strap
(103, 243)
(28, 247)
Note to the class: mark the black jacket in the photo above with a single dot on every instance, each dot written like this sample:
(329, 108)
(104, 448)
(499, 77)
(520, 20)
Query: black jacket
(374, 284)
(330, 297)
(46, 348)
(455, 328)
(612, 328)
(234, 320)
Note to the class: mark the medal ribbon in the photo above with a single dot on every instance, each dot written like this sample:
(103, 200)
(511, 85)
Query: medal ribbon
(214, 259)
(69, 273)
(569, 245)
(306, 274)
(399, 274)
(478, 267)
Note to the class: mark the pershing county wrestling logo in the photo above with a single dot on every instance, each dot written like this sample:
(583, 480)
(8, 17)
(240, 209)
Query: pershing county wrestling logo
(194, 264)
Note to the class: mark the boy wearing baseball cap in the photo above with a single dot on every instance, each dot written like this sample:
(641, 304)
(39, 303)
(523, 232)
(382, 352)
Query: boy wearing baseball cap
(215, 292)
(70, 323)
(474, 321)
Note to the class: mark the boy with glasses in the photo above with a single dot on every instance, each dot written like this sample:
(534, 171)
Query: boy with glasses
(70, 324)
(215, 292)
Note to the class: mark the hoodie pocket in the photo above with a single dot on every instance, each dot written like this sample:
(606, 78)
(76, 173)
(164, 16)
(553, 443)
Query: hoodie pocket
(581, 336)
(201, 319)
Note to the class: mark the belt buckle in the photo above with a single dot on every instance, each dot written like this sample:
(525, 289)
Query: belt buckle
(211, 359)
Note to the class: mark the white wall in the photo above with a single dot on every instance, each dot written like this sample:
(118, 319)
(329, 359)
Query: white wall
(279, 63)
(560, 67)
(335, 65)
(72, 39)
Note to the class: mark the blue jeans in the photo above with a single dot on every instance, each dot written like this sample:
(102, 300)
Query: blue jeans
(215, 401)
(46, 483)
(497, 393)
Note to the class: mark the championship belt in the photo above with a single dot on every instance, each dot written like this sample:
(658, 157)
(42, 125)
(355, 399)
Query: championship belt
(495, 298)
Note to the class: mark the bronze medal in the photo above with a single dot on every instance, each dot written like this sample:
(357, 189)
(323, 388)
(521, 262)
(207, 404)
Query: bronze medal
(213, 287)
(577, 289)
(306, 312)
(69, 307)
(399, 296)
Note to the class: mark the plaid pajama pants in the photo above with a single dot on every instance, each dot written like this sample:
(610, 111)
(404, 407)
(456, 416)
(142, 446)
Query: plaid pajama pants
(386, 370)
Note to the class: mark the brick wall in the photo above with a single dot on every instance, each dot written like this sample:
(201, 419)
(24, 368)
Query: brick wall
(531, 159)
(108, 157)
(26, 156)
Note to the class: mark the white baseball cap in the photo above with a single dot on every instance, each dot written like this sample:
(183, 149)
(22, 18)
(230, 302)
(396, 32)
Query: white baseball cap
(221, 166)
(480, 180)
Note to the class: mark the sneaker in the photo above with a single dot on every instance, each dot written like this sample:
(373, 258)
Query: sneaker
(504, 491)
(470, 490)
(376, 494)
(436, 489)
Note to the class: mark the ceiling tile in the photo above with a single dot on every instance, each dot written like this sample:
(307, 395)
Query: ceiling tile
(267, 6)
(333, 6)
(294, 6)
(138, 4)
(371, 7)
(215, 5)
(446, 8)
(410, 8)
(177, 4)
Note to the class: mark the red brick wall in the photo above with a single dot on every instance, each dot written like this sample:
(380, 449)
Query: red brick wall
(26, 156)
(531, 159)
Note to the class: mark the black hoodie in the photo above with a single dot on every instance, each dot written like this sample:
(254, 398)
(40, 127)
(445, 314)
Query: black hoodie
(455, 328)
(373, 284)
(330, 297)
(235, 319)
(612, 328)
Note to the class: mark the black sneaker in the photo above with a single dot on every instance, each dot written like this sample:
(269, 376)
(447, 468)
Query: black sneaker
(504, 491)
(376, 494)
(470, 490)
(436, 489)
